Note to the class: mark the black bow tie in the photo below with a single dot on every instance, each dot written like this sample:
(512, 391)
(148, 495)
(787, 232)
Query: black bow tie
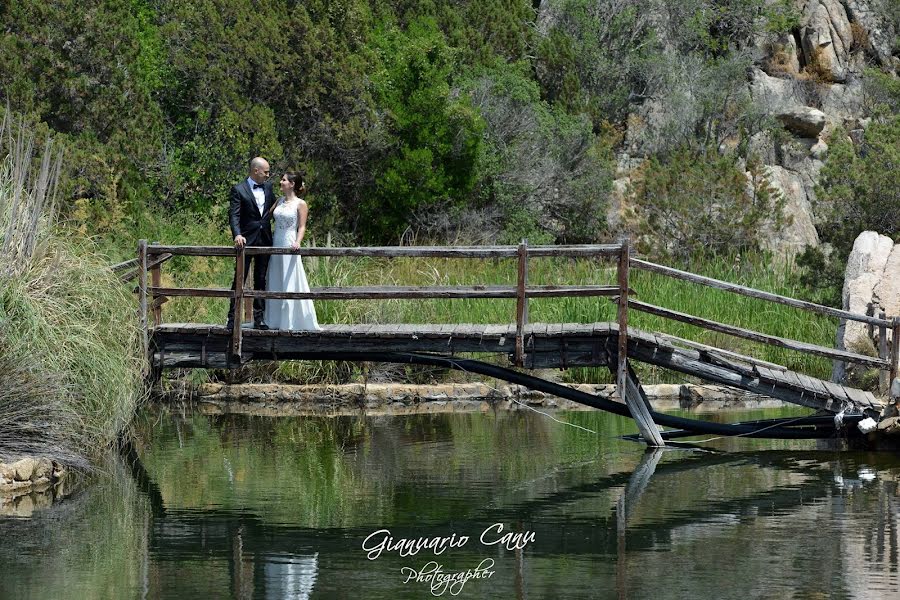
(258, 186)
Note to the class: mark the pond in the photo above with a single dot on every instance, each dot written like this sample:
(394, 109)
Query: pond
(477, 505)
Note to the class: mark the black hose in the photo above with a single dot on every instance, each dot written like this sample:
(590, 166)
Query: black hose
(821, 428)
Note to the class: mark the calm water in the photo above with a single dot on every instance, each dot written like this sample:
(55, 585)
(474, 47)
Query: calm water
(245, 507)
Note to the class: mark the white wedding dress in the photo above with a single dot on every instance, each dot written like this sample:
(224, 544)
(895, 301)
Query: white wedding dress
(286, 274)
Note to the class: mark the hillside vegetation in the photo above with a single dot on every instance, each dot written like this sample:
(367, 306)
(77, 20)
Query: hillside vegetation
(485, 120)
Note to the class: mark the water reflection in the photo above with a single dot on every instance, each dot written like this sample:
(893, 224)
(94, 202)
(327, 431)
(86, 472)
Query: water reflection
(278, 508)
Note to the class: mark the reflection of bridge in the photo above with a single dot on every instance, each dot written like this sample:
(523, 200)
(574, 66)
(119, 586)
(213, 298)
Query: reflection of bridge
(528, 345)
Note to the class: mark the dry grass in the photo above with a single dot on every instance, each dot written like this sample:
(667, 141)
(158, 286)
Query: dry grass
(860, 37)
(779, 61)
(817, 68)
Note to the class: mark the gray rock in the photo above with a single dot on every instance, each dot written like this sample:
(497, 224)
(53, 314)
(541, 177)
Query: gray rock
(886, 293)
(866, 268)
(42, 468)
(819, 150)
(761, 146)
(774, 94)
(871, 16)
(826, 38)
(800, 231)
(842, 100)
(618, 201)
(804, 121)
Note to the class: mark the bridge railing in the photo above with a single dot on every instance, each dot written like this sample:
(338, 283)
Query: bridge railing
(886, 362)
(151, 257)
(153, 295)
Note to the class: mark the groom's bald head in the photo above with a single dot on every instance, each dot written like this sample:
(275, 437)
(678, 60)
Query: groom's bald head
(259, 169)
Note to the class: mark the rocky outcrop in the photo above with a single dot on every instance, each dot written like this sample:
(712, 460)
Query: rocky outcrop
(871, 283)
(804, 121)
(807, 80)
(827, 40)
(878, 32)
(799, 231)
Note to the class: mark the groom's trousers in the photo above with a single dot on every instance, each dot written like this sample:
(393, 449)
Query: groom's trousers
(260, 266)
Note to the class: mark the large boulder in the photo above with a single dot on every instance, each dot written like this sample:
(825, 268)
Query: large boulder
(843, 100)
(870, 280)
(804, 121)
(886, 294)
(775, 94)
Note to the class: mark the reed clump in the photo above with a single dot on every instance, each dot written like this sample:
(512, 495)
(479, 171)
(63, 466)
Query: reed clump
(70, 360)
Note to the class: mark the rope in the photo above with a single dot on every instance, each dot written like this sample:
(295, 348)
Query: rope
(523, 405)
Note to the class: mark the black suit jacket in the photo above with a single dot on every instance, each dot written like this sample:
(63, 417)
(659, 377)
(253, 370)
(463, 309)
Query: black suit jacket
(245, 218)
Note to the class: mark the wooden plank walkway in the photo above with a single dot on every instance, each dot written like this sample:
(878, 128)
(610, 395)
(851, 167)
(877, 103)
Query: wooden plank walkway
(545, 345)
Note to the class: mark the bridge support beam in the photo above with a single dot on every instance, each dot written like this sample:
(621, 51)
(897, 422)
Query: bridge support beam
(639, 406)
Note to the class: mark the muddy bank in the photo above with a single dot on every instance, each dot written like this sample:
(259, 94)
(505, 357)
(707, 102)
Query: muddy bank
(396, 398)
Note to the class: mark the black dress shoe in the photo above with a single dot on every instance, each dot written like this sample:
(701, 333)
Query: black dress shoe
(260, 325)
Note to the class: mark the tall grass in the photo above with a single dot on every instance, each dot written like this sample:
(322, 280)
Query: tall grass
(70, 360)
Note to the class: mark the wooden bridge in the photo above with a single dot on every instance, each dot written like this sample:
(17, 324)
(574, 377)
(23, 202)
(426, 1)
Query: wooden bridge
(528, 345)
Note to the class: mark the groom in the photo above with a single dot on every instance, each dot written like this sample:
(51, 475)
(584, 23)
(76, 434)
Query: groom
(251, 225)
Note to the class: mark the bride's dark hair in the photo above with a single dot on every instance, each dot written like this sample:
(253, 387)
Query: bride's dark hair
(298, 178)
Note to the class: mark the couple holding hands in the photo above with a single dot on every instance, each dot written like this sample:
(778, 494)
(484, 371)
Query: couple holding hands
(252, 208)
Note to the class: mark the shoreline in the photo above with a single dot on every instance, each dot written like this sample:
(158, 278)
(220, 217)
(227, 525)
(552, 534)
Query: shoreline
(31, 483)
(378, 399)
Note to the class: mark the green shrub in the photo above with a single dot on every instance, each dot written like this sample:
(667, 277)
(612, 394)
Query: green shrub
(701, 205)
(435, 137)
(859, 190)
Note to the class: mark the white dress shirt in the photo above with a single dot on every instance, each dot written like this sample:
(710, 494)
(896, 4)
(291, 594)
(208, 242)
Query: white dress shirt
(259, 194)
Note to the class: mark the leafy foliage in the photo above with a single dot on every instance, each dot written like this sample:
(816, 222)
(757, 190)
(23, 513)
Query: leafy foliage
(859, 189)
(694, 205)
(399, 110)
(435, 137)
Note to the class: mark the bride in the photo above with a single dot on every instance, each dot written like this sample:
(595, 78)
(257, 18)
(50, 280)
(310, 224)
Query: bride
(286, 272)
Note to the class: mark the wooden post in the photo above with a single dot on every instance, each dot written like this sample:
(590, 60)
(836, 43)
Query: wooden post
(883, 374)
(623, 320)
(327, 245)
(248, 302)
(142, 291)
(156, 281)
(895, 347)
(521, 303)
(238, 302)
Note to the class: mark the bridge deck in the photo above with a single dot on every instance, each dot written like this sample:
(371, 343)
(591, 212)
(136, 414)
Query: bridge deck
(557, 345)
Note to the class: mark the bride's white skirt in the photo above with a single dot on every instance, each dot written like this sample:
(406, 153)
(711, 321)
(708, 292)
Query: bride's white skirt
(286, 274)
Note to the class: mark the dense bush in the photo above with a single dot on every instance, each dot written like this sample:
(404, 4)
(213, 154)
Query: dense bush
(700, 205)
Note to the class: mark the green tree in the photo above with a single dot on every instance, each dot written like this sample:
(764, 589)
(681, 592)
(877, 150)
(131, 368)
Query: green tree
(88, 71)
(433, 138)
(542, 169)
